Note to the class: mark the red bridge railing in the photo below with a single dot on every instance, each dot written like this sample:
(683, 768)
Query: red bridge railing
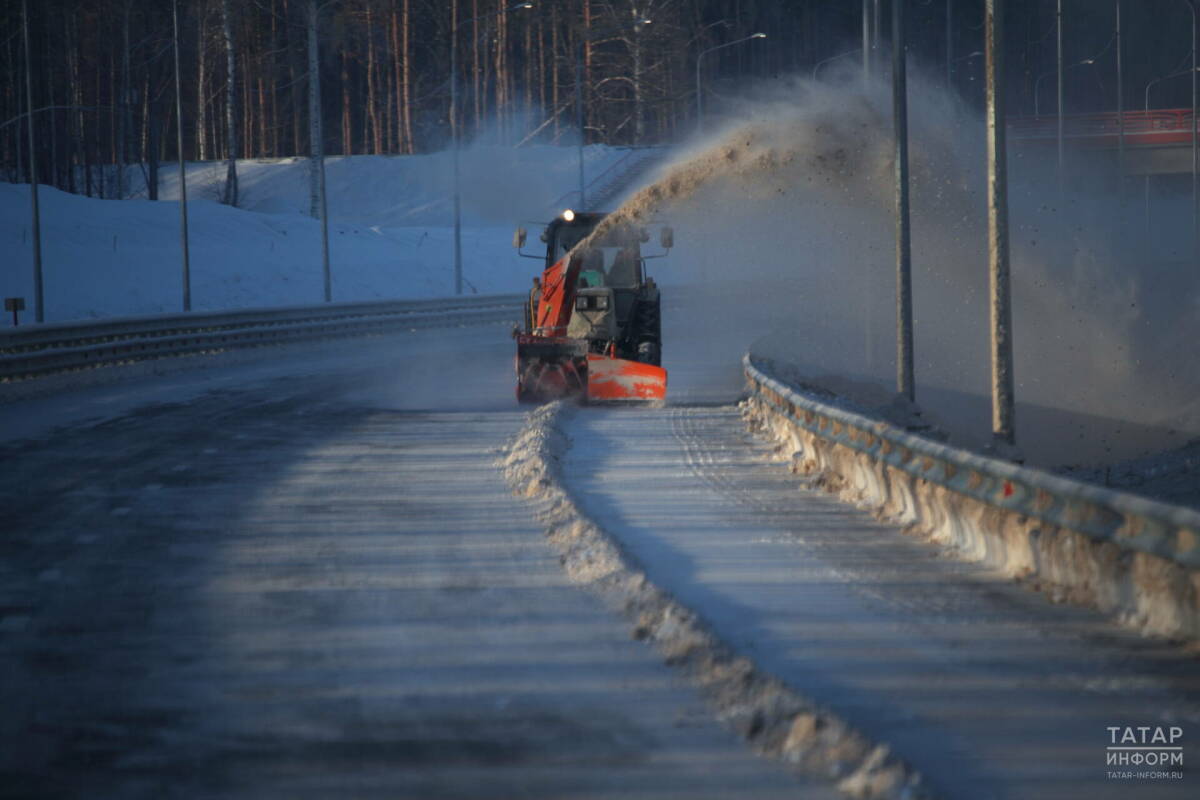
(1157, 127)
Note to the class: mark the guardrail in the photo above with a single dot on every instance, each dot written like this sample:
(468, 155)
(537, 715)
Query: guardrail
(62, 347)
(1125, 554)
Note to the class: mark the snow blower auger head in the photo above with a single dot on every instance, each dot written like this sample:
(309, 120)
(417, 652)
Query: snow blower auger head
(551, 368)
(593, 328)
(559, 368)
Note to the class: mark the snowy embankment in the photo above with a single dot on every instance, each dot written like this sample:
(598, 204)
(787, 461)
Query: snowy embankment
(391, 233)
(776, 720)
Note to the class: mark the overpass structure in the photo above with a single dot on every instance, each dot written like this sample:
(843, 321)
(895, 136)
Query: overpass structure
(1157, 142)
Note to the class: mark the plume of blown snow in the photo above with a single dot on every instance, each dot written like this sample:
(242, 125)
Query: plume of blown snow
(785, 232)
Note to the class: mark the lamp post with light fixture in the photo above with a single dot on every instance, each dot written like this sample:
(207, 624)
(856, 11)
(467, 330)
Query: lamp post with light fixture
(831, 59)
(703, 53)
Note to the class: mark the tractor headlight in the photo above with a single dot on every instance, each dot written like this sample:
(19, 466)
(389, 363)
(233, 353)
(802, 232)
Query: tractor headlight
(591, 302)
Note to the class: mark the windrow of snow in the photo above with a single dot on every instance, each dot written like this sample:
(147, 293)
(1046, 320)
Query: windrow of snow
(776, 720)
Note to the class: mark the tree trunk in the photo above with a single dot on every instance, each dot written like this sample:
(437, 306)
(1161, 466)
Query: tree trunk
(406, 79)
(475, 68)
(376, 145)
(122, 103)
(20, 134)
(541, 71)
(202, 83)
(152, 152)
(316, 148)
(74, 140)
(554, 87)
(294, 87)
(144, 129)
(230, 195)
(50, 115)
(528, 53)
(639, 93)
(247, 109)
(347, 143)
(263, 143)
(273, 92)
(402, 78)
(387, 74)
(501, 73)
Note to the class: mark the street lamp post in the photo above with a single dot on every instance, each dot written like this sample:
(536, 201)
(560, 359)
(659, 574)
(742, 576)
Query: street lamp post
(458, 277)
(866, 41)
(949, 45)
(1059, 121)
(183, 215)
(999, 294)
(38, 303)
(968, 57)
(1120, 113)
(830, 60)
(1037, 85)
(703, 53)
(1195, 145)
(904, 305)
(579, 115)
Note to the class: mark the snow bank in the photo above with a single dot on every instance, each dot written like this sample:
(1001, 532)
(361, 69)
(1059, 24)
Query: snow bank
(108, 257)
(390, 234)
(777, 721)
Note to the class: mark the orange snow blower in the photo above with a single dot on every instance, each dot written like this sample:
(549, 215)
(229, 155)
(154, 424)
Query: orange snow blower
(593, 324)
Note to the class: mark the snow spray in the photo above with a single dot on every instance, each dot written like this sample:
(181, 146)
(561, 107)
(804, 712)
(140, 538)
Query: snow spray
(785, 245)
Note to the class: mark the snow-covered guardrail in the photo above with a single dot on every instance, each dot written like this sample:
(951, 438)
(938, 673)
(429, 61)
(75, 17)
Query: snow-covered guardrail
(1134, 558)
(61, 347)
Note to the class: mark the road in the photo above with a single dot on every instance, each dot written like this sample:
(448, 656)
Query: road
(303, 575)
(987, 688)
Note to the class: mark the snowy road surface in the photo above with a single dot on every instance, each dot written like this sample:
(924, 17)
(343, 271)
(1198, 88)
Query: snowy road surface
(985, 687)
(295, 578)
(300, 573)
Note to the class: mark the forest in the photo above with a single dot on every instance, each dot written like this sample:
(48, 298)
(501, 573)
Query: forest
(102, 78)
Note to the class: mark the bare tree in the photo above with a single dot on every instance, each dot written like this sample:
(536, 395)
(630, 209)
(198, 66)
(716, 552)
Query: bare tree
(230, 195)
(202, 81)
(122, 103)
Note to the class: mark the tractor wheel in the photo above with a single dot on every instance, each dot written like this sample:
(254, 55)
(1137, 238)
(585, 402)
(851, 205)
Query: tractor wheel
(648, 332)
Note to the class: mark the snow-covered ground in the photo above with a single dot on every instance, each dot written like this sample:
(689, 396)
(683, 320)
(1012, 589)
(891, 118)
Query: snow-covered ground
(390, 235)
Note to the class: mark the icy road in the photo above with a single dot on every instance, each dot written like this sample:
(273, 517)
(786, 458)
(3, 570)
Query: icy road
(296, 578)
(301, 574)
